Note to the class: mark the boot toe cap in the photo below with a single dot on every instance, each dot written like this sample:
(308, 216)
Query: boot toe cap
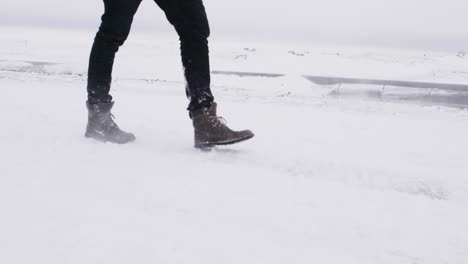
(247, 133)
(125, 138)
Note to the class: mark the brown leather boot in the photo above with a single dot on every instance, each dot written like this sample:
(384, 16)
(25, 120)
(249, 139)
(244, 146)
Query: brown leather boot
(101, 125)
(211, 130)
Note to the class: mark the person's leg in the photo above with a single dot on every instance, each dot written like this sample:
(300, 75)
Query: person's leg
(190, 21)
(114, 30)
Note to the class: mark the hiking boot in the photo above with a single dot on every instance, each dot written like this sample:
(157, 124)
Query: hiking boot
(211, 130)
(101, 125)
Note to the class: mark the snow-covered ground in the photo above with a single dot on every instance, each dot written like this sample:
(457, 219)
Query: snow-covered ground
(325, 180)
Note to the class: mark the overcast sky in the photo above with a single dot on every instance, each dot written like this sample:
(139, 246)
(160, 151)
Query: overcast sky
(414, 23)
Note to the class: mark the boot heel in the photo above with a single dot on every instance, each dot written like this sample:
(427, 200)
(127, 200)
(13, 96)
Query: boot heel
(204, 146)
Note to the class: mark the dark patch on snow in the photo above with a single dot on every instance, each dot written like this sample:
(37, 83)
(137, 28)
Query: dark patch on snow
(443, 94)
(323, 80)
(248, 74)
(34, 66)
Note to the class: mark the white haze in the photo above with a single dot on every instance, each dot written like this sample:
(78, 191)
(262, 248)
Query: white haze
(435, 24)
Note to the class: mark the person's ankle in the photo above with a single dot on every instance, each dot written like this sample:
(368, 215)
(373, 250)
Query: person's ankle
(96, 100)
(195, 110)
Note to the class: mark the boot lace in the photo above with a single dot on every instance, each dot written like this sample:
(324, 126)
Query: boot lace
(109, 122)
(217, 121)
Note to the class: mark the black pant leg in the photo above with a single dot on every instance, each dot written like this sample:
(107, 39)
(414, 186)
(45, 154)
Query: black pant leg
(114, 30)
(191, 23)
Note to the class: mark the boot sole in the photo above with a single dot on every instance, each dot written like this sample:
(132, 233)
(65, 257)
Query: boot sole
(223, 143)
(103, 140)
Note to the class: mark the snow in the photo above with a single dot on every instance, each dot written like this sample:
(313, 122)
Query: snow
(328, 180)
(435, 24)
